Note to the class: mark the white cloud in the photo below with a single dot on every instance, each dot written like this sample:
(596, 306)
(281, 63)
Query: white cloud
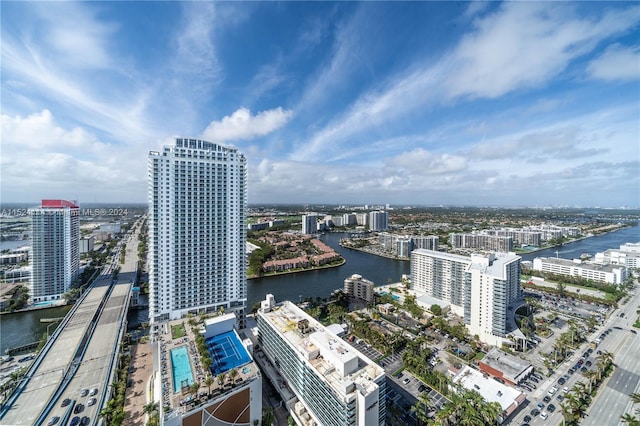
(521, 45)
(76, 36)
(241, 125)
(476, 7)
(42, 159)
(616, 63)
(424, 163)
(524, 44)
(195, 49)
(39, 132)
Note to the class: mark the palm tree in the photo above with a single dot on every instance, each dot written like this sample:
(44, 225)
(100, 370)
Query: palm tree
(635, 397)
(232, 374)
(578, 404)
(589, 374)
(567, 412)
(630, 420)
(193, 389)
(420, 408)
(607, 357)
(267, 416)
(221, 378)
(150, 408)
(208, 381)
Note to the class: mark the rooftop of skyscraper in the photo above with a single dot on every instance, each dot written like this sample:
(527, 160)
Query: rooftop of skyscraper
(339, 364)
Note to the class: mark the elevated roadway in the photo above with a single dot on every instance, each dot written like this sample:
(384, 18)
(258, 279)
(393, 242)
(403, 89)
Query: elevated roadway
(82, 353)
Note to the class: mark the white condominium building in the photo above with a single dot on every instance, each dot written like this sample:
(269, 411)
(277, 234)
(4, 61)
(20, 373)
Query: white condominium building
(478, 288)
(197, 229)
(495, 284)
(429, 242)
(628, 255)
(378, 221)
(335, 384)
(359, 288)
(309, 223)
(610, 274)
(482, 241)
(55, 241)
(443, 276)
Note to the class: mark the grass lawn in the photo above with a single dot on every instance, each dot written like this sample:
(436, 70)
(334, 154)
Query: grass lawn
(178, 331)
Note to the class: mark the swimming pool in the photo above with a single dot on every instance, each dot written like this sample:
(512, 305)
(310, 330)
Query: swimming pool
(180, 368)
(393, 296)
(227, 352)
(46, 303)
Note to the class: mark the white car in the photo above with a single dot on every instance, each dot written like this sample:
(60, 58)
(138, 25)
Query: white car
(543, 415)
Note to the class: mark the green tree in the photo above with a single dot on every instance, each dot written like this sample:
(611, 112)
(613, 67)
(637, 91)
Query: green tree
(629, 419)
(421, 408)
(436, 309)
(208, 381)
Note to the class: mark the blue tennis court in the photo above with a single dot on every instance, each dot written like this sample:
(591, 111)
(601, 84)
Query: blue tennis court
(226, 352)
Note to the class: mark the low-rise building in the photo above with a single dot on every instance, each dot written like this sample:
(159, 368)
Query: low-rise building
(507, 367)
(359, 288)
(234, 396)
(610, 274)
(491, 390)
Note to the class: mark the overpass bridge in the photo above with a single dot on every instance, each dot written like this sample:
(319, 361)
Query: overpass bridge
(81, 354)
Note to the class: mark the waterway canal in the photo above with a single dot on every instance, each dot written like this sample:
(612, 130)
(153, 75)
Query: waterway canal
(23, 328)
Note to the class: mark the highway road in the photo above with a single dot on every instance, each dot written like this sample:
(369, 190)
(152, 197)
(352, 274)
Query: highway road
(42, 393)
(612, 400)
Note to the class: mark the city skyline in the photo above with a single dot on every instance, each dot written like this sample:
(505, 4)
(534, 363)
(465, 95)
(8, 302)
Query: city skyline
(431, 103)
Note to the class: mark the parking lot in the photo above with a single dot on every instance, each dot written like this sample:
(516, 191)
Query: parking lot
(366, 349)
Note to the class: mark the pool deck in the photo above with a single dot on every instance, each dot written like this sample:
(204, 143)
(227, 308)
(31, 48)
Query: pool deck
(166, 344)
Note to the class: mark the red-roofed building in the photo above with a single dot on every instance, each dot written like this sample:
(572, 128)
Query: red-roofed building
(58, 204)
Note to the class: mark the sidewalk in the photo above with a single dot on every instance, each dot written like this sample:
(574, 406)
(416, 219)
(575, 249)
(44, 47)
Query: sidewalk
(136, 395)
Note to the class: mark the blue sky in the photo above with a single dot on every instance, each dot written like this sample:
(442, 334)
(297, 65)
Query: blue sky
(482, 103)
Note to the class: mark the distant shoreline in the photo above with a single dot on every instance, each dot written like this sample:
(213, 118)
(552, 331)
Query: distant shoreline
(389, 256)
(296, 271)
(385, 255)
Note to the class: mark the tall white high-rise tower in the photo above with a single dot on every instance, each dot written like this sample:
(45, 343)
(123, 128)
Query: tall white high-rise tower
(197, 230)
(55, 257)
